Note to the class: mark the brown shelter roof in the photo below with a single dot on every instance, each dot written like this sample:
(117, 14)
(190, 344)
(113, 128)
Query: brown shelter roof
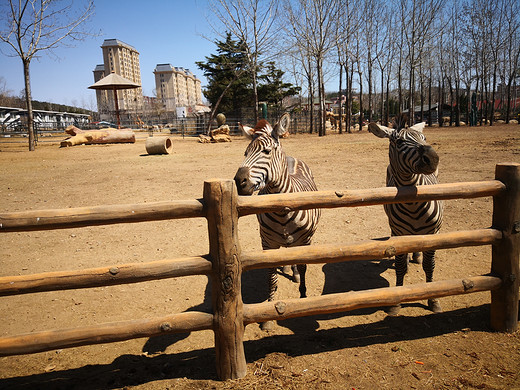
(114, 81)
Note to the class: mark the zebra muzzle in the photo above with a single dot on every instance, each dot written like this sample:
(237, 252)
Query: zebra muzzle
(244, 186)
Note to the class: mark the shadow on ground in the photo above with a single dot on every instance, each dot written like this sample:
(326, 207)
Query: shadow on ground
(132, 370)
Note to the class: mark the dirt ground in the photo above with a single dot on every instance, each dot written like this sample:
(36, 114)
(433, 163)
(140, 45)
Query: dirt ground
(362, 349)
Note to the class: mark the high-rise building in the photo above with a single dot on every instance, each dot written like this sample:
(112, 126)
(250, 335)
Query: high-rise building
(177, 87)
(122, 59)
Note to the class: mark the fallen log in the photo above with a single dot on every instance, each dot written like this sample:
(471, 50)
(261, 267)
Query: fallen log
(104, 136)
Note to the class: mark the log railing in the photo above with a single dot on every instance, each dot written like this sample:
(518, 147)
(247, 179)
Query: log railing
(222, 207)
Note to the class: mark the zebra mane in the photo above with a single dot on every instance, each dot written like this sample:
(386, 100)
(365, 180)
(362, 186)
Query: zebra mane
(400, 121)
(262, 125)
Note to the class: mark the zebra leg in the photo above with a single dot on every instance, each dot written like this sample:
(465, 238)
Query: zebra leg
(273, 286)
(428, 267)
(296, 274)
(401, 267)
(416, 258)
(302, 269)
(286, 269)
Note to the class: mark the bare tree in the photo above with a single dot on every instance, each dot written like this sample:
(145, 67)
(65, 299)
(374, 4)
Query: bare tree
(511, 53)
(315, 23)
(417, 22)
(349, 21)
(252, 22)
(33, 26)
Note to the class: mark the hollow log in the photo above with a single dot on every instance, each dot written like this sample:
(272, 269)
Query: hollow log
(159, 145)
(104, 136)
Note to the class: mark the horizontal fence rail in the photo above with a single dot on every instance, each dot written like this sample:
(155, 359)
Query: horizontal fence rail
(369, 197)
(340, 302)
(221, 206)
(367, 250)
(104, 276)
(104, 333)
(99, 215)
(155, 211)
(163, 269)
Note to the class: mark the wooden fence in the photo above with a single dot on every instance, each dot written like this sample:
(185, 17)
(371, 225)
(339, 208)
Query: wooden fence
(222, 207)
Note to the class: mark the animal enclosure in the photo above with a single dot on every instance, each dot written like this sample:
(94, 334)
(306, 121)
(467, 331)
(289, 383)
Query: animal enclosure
(222, 208)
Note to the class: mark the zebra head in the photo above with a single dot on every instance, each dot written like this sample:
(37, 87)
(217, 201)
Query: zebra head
(409, 152)
(263, 156)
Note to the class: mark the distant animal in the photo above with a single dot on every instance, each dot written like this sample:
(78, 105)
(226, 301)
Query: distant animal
(412, 162)
(267, 169)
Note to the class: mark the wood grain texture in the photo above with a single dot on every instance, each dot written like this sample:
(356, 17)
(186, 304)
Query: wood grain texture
(506, 253)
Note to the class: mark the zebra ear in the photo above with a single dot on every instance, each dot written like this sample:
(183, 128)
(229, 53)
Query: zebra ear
(418, 127)
(282, 126)
(246, 130)
(380, 131)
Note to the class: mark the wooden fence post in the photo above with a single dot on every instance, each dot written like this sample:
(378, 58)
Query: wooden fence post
(506, 254)
(220, 199)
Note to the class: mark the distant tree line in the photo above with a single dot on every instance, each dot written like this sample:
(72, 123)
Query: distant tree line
(400, 53)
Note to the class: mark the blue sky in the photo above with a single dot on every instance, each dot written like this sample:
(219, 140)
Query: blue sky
(161, 31)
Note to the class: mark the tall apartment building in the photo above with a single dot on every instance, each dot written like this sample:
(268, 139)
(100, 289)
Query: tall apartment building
(122, 59)
(177, 87)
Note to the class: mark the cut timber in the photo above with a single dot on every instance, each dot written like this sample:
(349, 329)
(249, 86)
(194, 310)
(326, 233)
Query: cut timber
(159, 145)
(104, 136)
(220, 134)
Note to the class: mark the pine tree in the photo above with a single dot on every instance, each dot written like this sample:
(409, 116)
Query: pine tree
(229, 87)
(272, 88)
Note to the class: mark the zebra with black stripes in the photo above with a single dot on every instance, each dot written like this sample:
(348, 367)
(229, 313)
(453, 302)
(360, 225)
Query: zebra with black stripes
(267, 169)
(412, 162)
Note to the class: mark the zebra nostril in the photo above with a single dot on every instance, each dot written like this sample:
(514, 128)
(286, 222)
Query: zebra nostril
(426, 160)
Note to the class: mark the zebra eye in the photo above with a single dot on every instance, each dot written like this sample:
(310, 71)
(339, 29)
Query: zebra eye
(266, 151)
(398, 142)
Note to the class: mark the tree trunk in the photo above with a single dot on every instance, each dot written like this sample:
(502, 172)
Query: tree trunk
(439, 107)
(493, 92)
(311, 103)
(351, 97)
(360, 97)
(457, 103)
(321, 98)
(508, 93)
(348, 106)
(255, 93)
(28, 100)
(340, 121)
(430, 99)
(421, 88)
(369, 90)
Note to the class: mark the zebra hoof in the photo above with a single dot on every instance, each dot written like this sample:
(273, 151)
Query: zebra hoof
(393, 311)
(267, 326)
(417, 258)
(434, 305)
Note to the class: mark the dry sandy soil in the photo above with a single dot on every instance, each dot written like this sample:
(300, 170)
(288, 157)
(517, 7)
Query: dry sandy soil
(362, 349)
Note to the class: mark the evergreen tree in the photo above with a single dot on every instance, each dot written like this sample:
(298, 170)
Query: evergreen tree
(272, 88)
(229, 87)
